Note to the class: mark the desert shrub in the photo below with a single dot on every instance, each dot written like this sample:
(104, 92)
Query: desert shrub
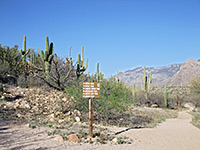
(114, 98)
(195, 90)
(74, 93)
(140, 98)
(156, 98)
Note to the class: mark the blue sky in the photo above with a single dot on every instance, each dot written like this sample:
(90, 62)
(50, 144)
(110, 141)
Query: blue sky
(119, 34)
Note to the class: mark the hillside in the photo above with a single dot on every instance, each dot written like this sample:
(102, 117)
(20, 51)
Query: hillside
(188, 70)
(171, 75)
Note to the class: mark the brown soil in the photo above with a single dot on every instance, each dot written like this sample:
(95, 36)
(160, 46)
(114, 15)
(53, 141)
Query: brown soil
(174, 134)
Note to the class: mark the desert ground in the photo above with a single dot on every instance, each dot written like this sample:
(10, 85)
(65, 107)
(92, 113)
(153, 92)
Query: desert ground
(173, 134)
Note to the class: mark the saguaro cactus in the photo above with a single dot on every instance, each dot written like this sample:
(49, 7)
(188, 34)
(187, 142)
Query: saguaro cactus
(47, 57)
(147, 82)
(24, 52)
(80, 65)
(69, 59)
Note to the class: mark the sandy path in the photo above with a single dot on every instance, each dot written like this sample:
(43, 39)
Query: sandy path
(174, 134)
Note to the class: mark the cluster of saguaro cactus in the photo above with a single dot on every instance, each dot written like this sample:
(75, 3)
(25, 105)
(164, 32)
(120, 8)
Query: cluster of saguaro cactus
(147, 81)
(47, 56)
(80, 68)
(165, 97)
(23, 51)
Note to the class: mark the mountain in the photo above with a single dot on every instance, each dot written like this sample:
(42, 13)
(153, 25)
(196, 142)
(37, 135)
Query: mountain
(188, 70)
(171, 75)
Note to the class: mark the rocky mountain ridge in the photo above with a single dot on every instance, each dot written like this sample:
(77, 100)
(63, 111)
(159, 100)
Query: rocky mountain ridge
(171, 75)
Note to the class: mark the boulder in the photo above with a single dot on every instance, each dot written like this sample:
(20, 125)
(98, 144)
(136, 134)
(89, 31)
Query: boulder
(73, 138)
(59, 138)
(77, 119)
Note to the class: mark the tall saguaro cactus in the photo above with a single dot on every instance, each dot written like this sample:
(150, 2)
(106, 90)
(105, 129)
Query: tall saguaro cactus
(147, 82)
(47, 56)
(24, 52)
(80, 65)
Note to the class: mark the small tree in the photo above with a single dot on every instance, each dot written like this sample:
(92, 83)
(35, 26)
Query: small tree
(195, 90)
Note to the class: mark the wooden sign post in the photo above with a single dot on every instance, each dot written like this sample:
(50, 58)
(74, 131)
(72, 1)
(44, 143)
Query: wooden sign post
(90, 118)
(91, 90)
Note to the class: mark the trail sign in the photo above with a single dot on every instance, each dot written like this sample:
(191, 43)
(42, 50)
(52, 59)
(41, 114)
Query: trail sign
(91, 89)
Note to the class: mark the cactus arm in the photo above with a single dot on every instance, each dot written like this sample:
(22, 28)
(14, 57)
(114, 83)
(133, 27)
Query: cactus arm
(47, 43)
(82, 59)
(69, 56)
(50, 59)
(24, 44)
(79, 59)
(51, 49)
(46, 54)
(86, 65)
(42, 54)
(27, 52)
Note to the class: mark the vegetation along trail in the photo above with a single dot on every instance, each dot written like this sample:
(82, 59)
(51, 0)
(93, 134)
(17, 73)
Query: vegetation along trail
(174, 134)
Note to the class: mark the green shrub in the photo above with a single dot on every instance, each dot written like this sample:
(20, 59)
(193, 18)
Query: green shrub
(114, 99)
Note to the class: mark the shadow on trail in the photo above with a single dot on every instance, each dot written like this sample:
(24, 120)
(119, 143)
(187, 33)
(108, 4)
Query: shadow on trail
(122, 131)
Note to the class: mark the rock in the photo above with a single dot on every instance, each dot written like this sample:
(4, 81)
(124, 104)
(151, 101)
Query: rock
(20, 116)
(94, 139)
(59, 138)
(27, 125)
(27, 106)
(16, 106)
(78, 113)
(52, 115)
(61, 121)
(52, 119)
(115, 140)
(64, 99)
(154, 106)
(73, 138)
(77, 119)
(69, 113)
(58, 113)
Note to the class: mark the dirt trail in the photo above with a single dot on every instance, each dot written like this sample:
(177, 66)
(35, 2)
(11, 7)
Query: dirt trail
(174, 134)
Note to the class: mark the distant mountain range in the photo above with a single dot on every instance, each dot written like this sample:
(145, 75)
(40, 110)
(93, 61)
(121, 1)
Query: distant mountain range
(171, 75)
